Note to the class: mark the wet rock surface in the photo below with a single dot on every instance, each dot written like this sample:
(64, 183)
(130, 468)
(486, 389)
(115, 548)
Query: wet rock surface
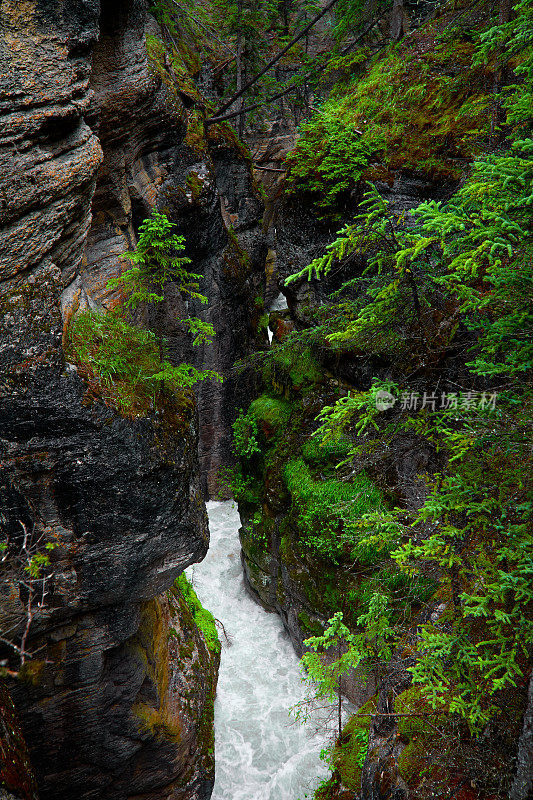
(90, 143)
(156, 155)
(119, 502)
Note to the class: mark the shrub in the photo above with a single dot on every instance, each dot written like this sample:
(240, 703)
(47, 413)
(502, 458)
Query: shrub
(245, 435)
(123, 366)
(329, 158)
(124, 363)
(424, 110)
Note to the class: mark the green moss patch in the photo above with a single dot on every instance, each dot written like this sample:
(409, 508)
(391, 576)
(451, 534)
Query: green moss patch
(174, 68)
(350, 753)
(327, 511)
(418, 728)
(311, 626)
(202, 617)
(421, 105)
(316, 452)
(156, 723)
(291, 369)
(272, 414)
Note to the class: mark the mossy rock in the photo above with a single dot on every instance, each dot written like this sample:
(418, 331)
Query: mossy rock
(292, 370)
(150, 647)
(310, 626)
(324, 586)
(32, 672)
(222, 135)
(349, 755)
(195, 186)
(156, 723)
(195, 136)
(169, 67)
(413, 761)
(418, 711)
(203, 618)
(418, 729)
(236, 259)
(272, 413)
(185, 648)
(255, 548)
(420, 106)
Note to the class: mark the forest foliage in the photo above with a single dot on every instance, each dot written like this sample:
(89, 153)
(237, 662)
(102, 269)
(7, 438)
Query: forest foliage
(466, 265)
(441, 299)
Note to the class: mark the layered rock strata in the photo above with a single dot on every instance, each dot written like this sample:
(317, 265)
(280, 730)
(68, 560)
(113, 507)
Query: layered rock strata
(113, 704)
(157, 154)
(119, 503)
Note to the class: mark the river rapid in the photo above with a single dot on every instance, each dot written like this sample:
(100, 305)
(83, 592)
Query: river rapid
(261, 753)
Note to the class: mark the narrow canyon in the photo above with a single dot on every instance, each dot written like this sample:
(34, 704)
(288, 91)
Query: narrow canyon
(272, 261)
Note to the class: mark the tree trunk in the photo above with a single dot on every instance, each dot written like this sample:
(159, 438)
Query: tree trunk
(522, 787)
(285, 17)
(242, 117)
(505, 11)
(339, 710)
(271, 63)
(238, 79)
(504, 15)
(397, 21)
(339, 688)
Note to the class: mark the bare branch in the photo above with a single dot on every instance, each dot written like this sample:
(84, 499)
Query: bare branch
(271, 63)
(244, 109)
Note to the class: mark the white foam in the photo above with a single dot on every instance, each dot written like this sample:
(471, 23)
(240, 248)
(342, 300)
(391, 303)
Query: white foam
(261, 753)
(280, 303)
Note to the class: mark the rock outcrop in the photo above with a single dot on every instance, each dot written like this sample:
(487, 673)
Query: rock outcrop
(112, 703)
(119, 502)
(157, 154)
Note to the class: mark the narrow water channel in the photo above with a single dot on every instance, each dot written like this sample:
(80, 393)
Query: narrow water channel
(261, 753)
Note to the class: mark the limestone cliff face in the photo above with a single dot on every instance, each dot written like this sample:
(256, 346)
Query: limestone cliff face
(113, 705)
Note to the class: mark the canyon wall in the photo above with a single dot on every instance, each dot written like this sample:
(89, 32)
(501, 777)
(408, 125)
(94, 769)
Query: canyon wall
(312, 501)
(157, 154)
(117, 700)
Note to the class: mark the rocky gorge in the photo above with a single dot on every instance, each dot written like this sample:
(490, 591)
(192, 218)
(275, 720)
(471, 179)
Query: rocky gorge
(119, 700)
(407, 188)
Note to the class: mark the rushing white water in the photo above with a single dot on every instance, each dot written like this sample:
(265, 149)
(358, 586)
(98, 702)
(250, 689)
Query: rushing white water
(261, 753)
